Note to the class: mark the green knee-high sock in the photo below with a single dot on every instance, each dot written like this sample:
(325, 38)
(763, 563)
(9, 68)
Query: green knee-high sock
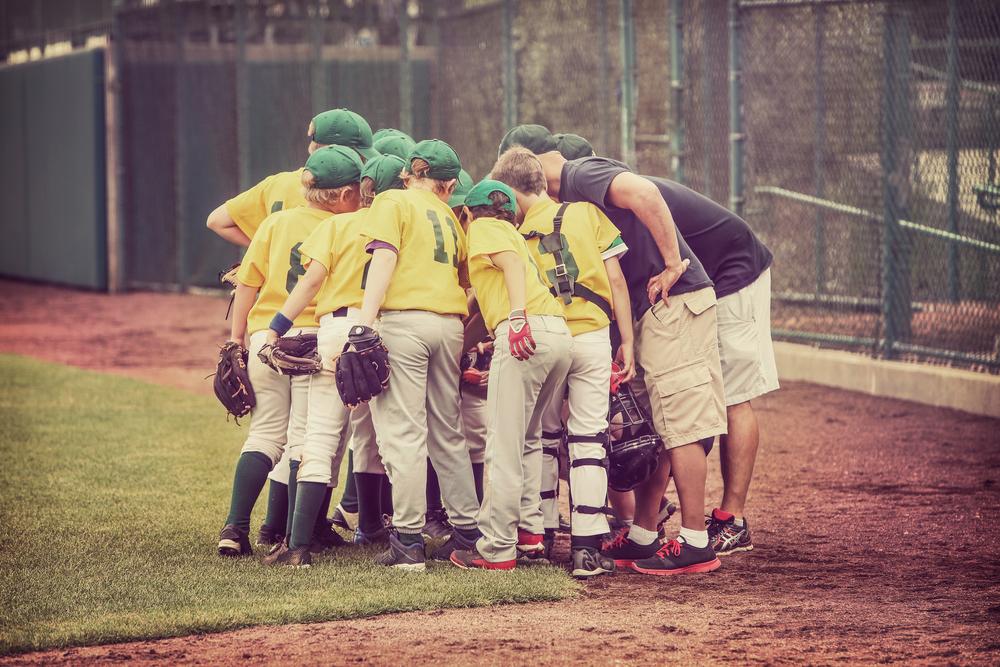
(433, 489)
(251, 474)
(324, 510)
(369, 501)
(293, 473)
(349, 501)
(277, 506)
(308, 501)
(477, 475)
(386, 495)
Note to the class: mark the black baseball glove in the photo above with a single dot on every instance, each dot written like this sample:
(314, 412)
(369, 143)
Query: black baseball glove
(232, 381)
(363, 367)
(293, 355)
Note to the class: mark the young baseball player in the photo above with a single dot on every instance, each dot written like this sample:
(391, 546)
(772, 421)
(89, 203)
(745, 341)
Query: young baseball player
(269, 271)
(529, 364)
(414, 290)
(577, 247)
(238, 219)
(335, 262)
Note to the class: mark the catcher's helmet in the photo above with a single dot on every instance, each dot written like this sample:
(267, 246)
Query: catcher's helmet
(635, 454)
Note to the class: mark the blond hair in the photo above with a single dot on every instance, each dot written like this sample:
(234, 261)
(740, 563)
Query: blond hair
(367, 191)
(520, 169)
(418, 173)
(323, 197)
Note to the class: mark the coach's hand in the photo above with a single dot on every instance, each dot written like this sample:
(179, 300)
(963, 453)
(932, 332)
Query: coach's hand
(522, 344)
(660, 285)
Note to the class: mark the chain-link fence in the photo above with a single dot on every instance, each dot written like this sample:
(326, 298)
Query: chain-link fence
(860, 139)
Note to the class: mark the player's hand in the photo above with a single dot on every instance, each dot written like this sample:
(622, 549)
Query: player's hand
(239, 340)
(522, 344)
(625, 358)
(660, 285)
(484, 347)
(272, 336)
(475, 377)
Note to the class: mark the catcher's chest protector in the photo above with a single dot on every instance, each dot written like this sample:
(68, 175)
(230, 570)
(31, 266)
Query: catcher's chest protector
(635, 455)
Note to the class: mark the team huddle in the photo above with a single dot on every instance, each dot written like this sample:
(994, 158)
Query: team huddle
(467, 344)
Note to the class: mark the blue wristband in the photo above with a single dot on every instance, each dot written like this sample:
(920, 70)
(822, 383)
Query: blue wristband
(280, 324)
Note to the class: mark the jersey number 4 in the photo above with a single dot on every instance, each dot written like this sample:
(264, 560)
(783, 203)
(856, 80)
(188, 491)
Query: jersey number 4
(295, 268)
(440, 253)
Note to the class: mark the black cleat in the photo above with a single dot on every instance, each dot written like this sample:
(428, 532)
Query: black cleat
(269, 536)
(234, 543)
(623, 550)
(725, 537)
(589, 562)
(282, 555)
(676, 557)
(406, 557)
(456, 541)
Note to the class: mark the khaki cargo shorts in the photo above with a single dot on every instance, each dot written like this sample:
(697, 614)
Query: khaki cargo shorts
(680, 377)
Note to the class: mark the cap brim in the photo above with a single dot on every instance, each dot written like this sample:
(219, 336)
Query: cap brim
(367, 153)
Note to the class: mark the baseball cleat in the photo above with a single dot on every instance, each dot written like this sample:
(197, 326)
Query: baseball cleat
(234, 543)
(325, 538)
(380, 536)
(549, 541)
(269, 536)
(345, 520)
(470, 560)
(436, 524)
(405, 557)
(588, 562)
(530, 543)
(725, 537)
(284, 556)
(456, 541)
(622, 550)
(676, 557)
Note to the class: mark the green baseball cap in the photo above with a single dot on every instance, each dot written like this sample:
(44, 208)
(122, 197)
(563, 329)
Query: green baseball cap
(385, 131)
(536, 138)
(343, 127)
(461, 189)
(441, 157)
(334, 166)
(480, 193)
(397, 144)
(573, 146)
(384, 171)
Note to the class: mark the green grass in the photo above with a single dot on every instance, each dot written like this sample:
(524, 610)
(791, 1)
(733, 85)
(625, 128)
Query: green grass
(112, 493)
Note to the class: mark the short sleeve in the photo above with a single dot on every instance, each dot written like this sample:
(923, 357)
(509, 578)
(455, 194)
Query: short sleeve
(487, 237)
(385, 221)
(248, 209)
(253, 268)
(318, 246)
(606, 230)
(588, 179)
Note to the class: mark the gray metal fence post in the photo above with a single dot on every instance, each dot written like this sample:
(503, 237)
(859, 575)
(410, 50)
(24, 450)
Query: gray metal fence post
(509, 66)
(180, 142)
(896, 147)
(819, 151)
(627, 34)
(605, 74)
(242, 97)
(317, 74)
(405, 70)
(736, 136)
(951, 114)
(677, 89)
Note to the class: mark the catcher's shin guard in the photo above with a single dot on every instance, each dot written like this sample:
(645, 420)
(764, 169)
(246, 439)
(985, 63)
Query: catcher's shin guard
(550, 478)
(588, 479)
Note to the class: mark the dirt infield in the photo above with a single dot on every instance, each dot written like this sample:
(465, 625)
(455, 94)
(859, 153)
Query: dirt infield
(874, 520)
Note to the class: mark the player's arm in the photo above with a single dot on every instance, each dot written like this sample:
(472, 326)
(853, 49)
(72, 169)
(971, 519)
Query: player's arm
(302, 295)
(243, 300)
(220, 222)
(383, 265)
(522, 344)
(623, 317)
(643, 198)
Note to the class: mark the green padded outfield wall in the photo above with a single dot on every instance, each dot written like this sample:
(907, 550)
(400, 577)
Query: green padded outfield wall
(52, 170)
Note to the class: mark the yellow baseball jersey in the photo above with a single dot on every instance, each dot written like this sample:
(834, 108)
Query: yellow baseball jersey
(488, 236)
(430, 243)
(273, 264)
(337, 244)
(587, 237)
(277, 192)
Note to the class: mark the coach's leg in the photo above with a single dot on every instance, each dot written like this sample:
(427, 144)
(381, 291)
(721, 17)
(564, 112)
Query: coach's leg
(737, 454)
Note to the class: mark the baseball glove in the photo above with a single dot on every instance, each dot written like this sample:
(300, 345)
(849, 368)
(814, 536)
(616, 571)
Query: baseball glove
(294, 355)
(232, 381)
(228, 276)
(363, 367)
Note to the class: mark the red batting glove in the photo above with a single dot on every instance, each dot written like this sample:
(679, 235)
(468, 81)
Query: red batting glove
(473, 376)
(616, 377)
(522, 345)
